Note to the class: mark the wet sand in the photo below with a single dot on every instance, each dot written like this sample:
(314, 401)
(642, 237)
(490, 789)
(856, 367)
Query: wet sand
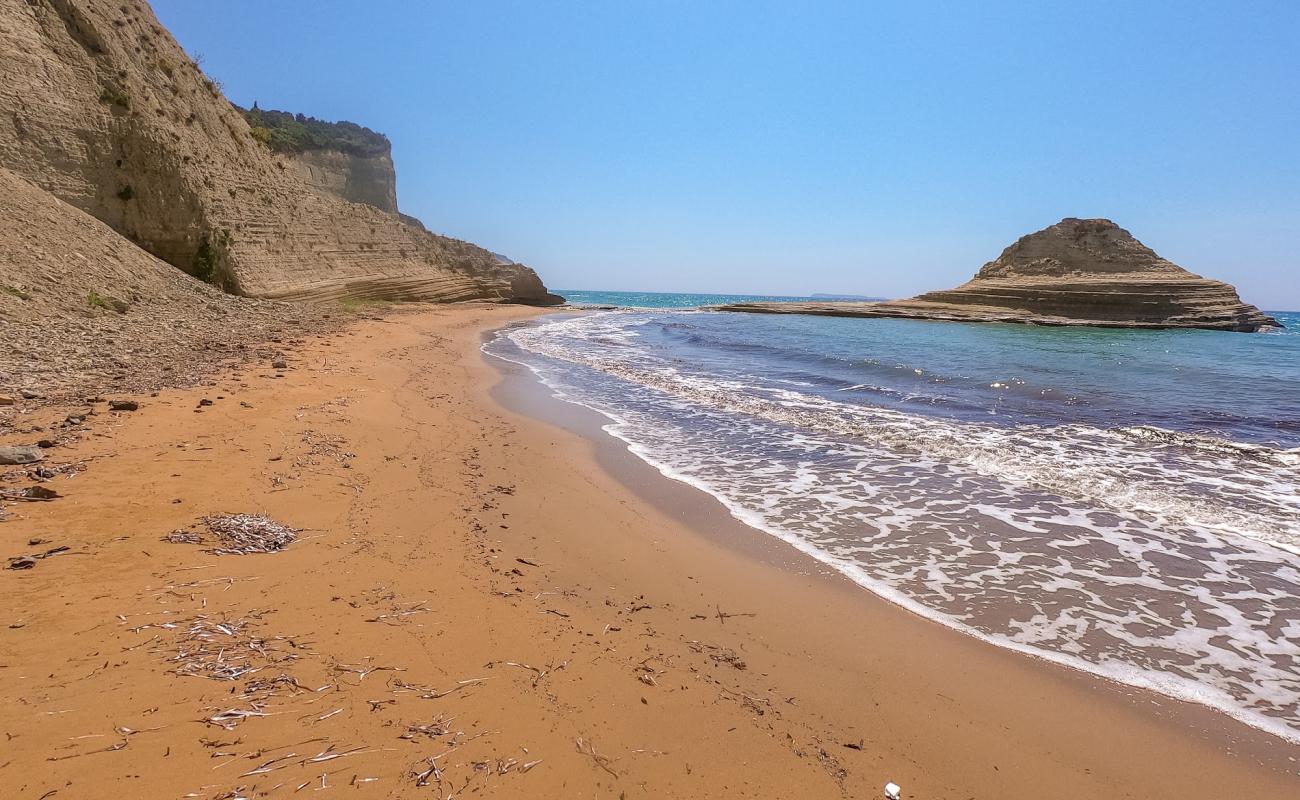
(491, 597)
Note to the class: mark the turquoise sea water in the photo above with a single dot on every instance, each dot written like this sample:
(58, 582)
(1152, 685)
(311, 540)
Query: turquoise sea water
(580, 297)
(1124, 502)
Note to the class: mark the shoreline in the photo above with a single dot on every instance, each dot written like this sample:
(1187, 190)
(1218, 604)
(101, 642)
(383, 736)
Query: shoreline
(523, 391)
(546, 595)
(616, 453)
(797, 552)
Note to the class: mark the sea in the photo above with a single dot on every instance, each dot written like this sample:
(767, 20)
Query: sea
(1123, 502)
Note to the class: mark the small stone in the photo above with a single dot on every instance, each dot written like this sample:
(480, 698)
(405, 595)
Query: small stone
(279, 363)
(45, 444)
(205, 402)
(6, 400)
(123, 405)
(75, 419)
(30, 394)
(20, 454)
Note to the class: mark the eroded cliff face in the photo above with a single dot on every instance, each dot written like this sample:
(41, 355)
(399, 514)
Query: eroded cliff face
(102, 109)
(83, 310)
(358, 179)
(1076, 272)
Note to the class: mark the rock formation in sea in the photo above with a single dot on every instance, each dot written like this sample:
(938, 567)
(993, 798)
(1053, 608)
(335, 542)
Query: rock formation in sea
(1076, 272)
(102, 109)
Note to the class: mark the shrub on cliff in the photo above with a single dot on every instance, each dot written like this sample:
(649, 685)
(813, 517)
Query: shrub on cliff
(296, 133)
(112, 96)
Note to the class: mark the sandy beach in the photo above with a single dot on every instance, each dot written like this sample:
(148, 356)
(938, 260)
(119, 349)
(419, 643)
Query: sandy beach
(487, 598)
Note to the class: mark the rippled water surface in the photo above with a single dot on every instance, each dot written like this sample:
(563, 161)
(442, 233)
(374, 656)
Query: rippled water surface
(1125, 502)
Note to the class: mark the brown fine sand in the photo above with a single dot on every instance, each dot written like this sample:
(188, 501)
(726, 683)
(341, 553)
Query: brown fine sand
(482, 603)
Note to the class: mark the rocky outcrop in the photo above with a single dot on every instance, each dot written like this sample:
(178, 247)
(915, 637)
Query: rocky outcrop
(1076, 272)
(358, 179)
(101, 108)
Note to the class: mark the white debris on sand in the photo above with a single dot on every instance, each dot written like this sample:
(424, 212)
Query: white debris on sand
(238, 534)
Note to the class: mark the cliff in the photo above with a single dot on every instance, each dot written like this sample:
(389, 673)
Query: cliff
(357, 179)
(1076, 272)
(342, 159)
(103, 110)
(85, 311)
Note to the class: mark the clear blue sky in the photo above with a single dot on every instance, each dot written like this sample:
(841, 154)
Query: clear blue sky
(791, 148)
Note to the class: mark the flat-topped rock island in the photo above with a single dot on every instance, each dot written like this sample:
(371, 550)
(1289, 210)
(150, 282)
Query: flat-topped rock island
(1076, 272)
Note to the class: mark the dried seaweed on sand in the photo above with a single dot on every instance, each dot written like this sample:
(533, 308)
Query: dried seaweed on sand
(237, 534)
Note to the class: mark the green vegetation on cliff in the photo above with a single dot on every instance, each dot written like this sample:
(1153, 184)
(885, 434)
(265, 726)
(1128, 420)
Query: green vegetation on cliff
(284, 132)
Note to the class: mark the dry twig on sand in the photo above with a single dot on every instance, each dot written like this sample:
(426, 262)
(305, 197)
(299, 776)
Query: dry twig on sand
(441, 726)
(758, 705)
(430, 693)
(362, 672)
(723, 616)
(721, 655)
(587, 748)
(538, 672)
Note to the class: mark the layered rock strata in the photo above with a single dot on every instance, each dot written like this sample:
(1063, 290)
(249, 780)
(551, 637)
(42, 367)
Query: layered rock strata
(1076, 272)
(83, 310)
(102, 109)
(358, 179)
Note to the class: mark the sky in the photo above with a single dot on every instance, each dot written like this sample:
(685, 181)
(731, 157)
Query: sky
(790, 148)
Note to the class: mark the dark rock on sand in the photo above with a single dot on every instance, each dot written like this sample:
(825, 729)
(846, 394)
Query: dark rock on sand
(123, 405)
(1076, 272)
(20, 454)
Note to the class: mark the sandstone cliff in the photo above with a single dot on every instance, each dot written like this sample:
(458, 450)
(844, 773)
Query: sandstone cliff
(342, 159)
(358, 179)
(84, 311)
(1076, 272)
(102, 109)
